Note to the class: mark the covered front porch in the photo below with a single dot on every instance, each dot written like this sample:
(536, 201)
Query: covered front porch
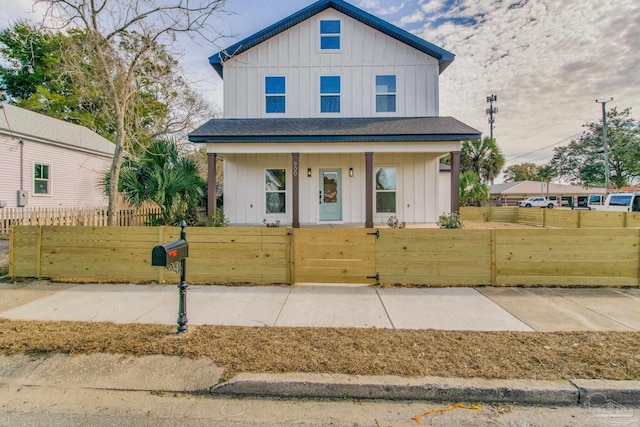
(357, 172)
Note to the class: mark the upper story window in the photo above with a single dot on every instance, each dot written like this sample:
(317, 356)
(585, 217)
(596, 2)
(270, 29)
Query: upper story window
(330, 35)
(385, 94)
(329, 94)
(386, 190)
(275, 89)
(41, 179)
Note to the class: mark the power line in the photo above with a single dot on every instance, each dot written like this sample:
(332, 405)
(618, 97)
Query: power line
(545, 147)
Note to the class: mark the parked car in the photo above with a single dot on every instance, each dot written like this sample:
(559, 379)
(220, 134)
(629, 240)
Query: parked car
(539, 202)
(620, 202)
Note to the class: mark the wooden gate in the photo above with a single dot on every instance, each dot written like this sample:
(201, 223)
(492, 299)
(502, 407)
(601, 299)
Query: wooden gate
(344, 255)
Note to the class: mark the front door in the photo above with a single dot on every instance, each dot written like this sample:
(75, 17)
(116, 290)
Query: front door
(330, 194)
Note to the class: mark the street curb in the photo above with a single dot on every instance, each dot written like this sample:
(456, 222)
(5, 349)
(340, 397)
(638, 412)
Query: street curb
(398, 388)
(602, 391)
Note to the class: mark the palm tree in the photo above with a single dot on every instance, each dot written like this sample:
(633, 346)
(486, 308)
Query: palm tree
(483, 157)
(163, 176)
(471, 189)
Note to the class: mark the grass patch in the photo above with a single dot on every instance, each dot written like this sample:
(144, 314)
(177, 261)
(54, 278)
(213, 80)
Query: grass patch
(605, 355)
(4, 275)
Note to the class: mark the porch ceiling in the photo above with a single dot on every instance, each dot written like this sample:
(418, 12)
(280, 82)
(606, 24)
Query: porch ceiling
(334, 130)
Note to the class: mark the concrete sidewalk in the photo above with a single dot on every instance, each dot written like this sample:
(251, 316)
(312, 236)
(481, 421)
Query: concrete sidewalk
(479, 309)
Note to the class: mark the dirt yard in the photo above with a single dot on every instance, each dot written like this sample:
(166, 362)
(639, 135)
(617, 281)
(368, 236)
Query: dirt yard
(610, 355)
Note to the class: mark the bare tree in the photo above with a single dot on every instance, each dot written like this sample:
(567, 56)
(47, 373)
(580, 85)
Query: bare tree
(124, 37)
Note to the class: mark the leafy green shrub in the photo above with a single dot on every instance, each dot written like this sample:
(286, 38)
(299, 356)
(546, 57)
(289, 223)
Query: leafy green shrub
(450, 221)
(218, 219)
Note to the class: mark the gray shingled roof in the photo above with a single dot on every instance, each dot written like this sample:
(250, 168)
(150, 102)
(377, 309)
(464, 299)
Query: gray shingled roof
(334, 129)
(25, 124)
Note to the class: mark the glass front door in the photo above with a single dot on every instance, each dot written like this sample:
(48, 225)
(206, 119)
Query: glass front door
(330, 195)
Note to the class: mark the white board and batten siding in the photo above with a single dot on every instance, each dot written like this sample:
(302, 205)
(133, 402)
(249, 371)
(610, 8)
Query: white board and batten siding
(417, 198)
(296, 55)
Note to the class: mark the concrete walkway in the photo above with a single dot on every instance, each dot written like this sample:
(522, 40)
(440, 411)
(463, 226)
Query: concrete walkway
(480, 309)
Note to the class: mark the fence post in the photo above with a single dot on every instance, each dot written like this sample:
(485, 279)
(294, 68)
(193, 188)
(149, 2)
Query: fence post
(291, 270)
(494, 281)
(544, 218)
(39, 252)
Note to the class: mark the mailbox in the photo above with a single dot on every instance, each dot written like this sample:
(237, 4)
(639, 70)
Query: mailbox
(167, 254)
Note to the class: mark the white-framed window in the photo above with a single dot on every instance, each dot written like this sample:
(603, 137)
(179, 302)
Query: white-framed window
(386, 189)
(276, 191)
(386, 94)
(330, 34)
(41, 178)
(329, 94)
(275, 93)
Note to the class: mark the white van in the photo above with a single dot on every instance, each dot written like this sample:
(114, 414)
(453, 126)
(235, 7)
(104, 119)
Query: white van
(620, 202)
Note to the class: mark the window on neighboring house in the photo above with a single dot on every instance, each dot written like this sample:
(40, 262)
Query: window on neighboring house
(329, 94)
(385, 94)
(275, 89)
(276, 190)
(330, 35)
(386, 190)
(41, 179)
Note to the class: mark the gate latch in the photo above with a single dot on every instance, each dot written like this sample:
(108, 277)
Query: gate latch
(377, 276)
(376, 233)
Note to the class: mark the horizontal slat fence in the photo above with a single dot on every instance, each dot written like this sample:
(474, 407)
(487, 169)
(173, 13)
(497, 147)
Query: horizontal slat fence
(556, 218)
(430, 257)
(117, 254)
(434, 257)
(568, 257)
(334, 255)
(90, 216)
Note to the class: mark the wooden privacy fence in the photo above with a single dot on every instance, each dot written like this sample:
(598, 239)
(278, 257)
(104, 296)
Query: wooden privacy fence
(431, 257)
(95, 216)
(556, 218)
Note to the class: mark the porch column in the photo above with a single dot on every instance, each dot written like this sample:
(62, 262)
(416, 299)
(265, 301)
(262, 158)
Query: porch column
(295, 199)
(368, 190)
(211, 181)
(455, 181)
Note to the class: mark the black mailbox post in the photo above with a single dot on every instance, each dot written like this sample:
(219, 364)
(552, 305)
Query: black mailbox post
(173, 256)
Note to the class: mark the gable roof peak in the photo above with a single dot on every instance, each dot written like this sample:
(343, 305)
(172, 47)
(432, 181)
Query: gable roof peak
(443, 56)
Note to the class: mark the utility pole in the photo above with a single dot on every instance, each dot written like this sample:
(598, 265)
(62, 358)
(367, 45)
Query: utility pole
(491, 111)
(605, 143)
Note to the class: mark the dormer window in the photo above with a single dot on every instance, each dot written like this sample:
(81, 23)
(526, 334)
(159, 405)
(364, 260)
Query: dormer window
(330, 35)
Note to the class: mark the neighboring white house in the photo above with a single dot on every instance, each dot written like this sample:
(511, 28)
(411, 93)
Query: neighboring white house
(331, 116)
(46, 162)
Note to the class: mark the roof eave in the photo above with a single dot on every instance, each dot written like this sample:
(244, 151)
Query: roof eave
(443, 56)
(333, 138)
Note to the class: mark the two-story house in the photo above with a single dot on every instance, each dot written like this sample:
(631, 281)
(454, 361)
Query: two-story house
(331, 117)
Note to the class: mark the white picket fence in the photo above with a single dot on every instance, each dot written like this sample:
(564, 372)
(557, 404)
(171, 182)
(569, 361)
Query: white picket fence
(90, 216)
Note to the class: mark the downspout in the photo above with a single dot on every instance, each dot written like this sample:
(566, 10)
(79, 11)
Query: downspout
(21, 143)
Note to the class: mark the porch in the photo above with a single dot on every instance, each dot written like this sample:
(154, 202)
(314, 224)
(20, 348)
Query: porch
(356, 171)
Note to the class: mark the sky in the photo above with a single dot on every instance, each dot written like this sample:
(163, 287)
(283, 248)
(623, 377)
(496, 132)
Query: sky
(547, 61)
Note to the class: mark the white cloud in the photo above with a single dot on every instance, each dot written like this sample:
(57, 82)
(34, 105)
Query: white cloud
(547, 62)
(415, 17)
(373, 6)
